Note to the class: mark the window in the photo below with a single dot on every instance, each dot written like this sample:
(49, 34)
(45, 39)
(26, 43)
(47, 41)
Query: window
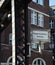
(34, 46)
(52, 42)
(34, 1)
(37, 19)
(38, 61)
(42, 46)
(54, 12)
(10, 38)
(34, 17)
(40, 20)
(40, 2)
(51, 24)
(51, 46)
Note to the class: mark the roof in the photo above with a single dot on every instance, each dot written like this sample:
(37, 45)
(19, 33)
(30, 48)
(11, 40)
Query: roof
(53, 7)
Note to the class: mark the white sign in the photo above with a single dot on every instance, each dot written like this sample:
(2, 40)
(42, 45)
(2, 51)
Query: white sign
(1, 2)
(39, 35)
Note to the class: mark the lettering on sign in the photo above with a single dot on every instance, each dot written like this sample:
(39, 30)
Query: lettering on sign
(40, 35)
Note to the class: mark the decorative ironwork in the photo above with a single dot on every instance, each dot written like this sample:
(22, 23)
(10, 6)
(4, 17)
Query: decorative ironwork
(21, 30)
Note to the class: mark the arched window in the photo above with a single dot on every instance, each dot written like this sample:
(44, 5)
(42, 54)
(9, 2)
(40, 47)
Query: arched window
(51, 24)
(19, 62)
(38, 61)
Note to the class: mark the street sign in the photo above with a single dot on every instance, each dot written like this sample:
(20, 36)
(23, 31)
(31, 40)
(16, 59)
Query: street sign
(1, 2)
(41, 35)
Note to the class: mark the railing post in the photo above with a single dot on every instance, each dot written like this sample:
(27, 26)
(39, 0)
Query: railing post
(26, 33)
(13, 32)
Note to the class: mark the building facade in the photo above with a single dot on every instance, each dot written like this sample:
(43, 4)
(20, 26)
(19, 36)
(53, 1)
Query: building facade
(39, 19)
(53, 30)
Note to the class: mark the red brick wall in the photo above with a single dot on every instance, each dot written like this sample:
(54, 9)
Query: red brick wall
(45, 55)
(45, 8)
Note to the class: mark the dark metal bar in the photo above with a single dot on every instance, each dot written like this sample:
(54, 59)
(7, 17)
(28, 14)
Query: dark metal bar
(18, 8)
(54, 48)
(26, 32)
(17, 28)
(0, 43)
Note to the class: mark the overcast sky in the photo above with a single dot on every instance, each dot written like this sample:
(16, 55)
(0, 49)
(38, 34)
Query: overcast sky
(52, 2)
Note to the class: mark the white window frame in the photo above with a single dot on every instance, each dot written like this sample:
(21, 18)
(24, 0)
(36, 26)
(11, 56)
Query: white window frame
(34, 45)
(42, 46)
(52, 43)
(36, 59)
(51, 24)
(51, 46)
(33, 17)
(40, 20)
(34, 1)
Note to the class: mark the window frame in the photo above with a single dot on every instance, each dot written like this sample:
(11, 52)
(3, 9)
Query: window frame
(36, 59)
(54, 11)
(41, 20)
(34, 45)
(33, 19)
(35, 1)
(51, 24)
(41, 3)
(52, 43)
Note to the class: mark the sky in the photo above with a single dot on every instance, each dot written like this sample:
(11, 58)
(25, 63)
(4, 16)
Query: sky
(52, 2)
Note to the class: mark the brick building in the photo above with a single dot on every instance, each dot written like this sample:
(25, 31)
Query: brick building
(53, 30)
(40, 10)
(39, 19)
